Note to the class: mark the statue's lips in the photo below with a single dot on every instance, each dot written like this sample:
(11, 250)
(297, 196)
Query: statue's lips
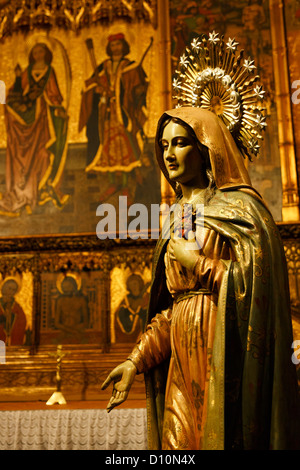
(173, 166)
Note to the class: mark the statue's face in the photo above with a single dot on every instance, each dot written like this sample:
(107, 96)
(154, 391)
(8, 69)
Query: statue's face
(181, 155)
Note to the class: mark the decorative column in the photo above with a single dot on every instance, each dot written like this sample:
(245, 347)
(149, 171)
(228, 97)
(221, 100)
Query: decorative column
(163, 17)
(290, 202)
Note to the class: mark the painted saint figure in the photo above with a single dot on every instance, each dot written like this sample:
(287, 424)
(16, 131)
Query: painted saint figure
(36, 124)
(71, 310)
(113, 112)
(216, 352)
(131, 314)
(12, 316)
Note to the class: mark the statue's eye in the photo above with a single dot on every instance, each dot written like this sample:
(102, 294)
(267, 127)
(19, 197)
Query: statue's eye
(181, 142)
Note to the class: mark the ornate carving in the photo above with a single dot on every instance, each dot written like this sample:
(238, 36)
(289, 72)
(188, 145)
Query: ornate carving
(75, 262)
(289, 231)
(291, 241)
(292, 254)
(65, 243)
(25, 15)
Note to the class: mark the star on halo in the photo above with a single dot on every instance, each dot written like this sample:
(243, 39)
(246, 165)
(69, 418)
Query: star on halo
(249, 64)
(258, 90)
(260, 121)
(184, 61)
(213, 37)
(232, 44)
(253, 145)
(176, 84)
(196, 43)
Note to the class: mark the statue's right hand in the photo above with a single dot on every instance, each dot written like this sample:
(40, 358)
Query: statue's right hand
(122, 377)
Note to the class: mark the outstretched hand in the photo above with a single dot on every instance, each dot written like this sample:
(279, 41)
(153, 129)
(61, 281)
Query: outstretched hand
(122, 377)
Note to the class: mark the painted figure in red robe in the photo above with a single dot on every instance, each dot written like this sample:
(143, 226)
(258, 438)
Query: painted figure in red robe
(113, 112)
(36, 124)
(12, 316)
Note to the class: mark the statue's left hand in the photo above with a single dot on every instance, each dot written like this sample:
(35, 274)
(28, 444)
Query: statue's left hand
(184, 251)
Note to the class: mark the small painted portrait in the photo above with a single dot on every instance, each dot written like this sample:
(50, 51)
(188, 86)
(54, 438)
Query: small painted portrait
(130, 316)
(71, 308)
(12, 316)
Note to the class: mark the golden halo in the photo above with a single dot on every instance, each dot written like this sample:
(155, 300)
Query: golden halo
(210, 76)
(17, 279)
(62, 276)
(50, 42)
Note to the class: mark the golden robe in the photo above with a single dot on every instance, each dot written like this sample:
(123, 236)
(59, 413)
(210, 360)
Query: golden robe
(186, 332)
(217, 357)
